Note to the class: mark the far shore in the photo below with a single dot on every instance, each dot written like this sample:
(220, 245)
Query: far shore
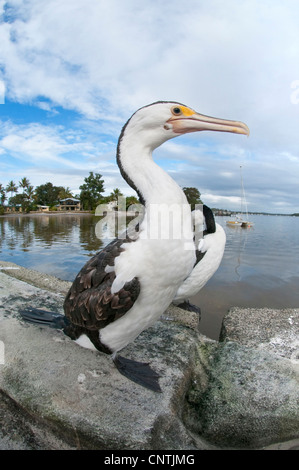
(129, 213)
(51, 213)
(23, 214)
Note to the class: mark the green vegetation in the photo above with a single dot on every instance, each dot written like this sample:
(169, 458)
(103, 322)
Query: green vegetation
(193, 197)
(90, 196)
(30, 199)
(91, 191)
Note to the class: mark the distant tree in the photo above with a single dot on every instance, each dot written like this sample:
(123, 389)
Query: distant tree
(131, 200)
(2, 194)
(193, 196)
(91, 191)
(20, 200)
(29, 192)
(65, 193)
(47, 194)
(11, 188)
(115, 194)
(24, 183)
(26, 197)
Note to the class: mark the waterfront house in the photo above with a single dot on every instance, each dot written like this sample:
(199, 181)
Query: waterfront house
(69, 204)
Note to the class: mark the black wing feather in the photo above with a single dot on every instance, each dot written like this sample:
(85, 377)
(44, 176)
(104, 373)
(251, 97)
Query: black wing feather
(89, 302)
(210, 228)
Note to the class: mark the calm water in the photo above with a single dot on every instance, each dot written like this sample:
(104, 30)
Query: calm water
(259, 268)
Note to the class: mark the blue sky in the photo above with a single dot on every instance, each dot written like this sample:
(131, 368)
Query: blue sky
(72, 72)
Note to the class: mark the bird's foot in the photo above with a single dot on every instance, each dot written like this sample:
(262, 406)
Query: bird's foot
(139, 372)
(186, 305)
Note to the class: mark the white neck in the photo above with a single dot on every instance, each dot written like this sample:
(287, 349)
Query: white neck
(167, 211)
(152, 182)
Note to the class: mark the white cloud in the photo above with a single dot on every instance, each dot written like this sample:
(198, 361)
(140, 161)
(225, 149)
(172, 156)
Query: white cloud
(52, 153)
(2, 92)
(236, 60)
(36, 142)
(96, 56)
(215, 200)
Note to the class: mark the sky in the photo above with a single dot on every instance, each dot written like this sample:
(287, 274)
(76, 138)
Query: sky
(72, 72)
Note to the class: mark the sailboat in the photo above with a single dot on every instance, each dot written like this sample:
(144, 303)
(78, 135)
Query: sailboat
(239, 221)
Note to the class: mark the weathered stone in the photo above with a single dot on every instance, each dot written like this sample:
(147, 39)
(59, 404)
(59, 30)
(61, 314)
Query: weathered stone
(81, 395)
(252, 398)
(276, 331)
(44, 281)
(239, 393)
(78, 395)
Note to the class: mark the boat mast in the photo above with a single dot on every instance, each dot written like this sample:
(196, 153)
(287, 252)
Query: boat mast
(243, 197)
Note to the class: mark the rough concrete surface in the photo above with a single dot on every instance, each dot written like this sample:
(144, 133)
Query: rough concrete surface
(265, 329)
(77, 394)
(241, 392)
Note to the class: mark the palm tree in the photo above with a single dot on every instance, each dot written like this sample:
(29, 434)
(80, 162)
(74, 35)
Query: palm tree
(24, 183)
(29, 192)
(64, 193)
(11, 188)
(2, 194)
(115, 194)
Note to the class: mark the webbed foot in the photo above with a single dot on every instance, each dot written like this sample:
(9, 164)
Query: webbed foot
(186, 305)
(139, 372)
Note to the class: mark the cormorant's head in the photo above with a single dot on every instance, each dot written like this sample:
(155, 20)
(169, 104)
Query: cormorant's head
(163, 120)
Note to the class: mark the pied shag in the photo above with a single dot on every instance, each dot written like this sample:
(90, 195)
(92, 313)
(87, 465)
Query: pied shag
(125, 288)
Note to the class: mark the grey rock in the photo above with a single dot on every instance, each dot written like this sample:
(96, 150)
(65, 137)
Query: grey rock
(81, 395)
(37, 279)
(241, 392)
(78, 396)
(273, 330)
(252, 398)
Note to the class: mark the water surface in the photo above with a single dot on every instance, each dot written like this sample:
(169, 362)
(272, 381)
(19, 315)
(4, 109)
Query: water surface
(259, 267)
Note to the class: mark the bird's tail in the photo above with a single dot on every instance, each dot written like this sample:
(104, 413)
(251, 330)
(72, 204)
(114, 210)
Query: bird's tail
(44, 317)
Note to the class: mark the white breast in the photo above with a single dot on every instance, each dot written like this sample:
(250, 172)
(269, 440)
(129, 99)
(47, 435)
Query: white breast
(213, 246)
(161, 266)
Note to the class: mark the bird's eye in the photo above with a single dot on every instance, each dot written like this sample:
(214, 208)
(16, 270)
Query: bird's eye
(177, 111)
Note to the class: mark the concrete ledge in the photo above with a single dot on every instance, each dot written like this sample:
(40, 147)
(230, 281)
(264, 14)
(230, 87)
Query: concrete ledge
(273, 330)
(239, 393)
(77, 395)
(35, 278)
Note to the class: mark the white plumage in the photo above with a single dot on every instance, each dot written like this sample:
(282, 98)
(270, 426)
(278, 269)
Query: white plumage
(212, 246)
(125, 288)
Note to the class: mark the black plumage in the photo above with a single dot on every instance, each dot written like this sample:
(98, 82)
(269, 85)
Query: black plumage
(89, 302)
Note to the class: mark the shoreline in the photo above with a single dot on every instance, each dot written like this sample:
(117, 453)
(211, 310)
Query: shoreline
(37, 214)
(35, 278)
(21, 214)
